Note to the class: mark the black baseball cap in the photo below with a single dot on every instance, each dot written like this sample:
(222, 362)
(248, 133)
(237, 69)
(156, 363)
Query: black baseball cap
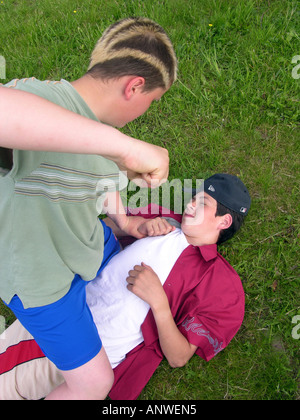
(230, 191)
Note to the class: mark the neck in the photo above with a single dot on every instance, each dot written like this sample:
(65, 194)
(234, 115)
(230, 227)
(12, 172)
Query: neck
(201, 240)
(91, 90)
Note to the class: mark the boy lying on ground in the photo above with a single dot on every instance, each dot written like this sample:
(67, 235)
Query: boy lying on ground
(195, 297)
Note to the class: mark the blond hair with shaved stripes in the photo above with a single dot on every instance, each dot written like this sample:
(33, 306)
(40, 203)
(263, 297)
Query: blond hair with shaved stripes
(135, 46)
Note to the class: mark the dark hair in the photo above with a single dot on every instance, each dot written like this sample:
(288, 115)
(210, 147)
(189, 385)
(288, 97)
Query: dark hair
(135, 46)
(237, 221)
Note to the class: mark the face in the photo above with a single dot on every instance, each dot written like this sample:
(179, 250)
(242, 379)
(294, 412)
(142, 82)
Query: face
(199, 223)
(138, 104)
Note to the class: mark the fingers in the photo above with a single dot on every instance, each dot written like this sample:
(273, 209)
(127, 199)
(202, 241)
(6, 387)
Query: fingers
(137, 272)
(155, 179)
(133, 274)
(146, 266)
(158, 226)
(159, 174)
(143, 282)
(147, 180)
(147, 163)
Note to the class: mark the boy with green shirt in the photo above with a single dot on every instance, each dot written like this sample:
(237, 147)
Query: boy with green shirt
(52, 240)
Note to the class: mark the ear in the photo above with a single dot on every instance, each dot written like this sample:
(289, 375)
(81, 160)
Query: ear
(133, 85)
(225, 221)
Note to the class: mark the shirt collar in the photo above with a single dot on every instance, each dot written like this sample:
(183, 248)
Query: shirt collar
(208, 252)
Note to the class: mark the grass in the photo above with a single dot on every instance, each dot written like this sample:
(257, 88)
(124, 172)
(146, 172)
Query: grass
(235, 108)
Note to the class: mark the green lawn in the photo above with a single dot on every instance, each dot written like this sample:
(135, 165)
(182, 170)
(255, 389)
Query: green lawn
(235, 108)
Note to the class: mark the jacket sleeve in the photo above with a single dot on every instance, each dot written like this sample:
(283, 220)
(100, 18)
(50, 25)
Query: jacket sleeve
(214, 314)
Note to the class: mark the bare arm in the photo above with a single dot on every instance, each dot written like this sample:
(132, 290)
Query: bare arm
(117, 219)
(136, 226)
(59, 130)
(151, 227)
(143, 282)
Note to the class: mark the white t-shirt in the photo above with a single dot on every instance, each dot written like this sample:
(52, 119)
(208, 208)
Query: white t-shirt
(117, 312)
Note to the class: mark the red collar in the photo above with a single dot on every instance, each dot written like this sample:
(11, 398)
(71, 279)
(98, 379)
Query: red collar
(208, 252)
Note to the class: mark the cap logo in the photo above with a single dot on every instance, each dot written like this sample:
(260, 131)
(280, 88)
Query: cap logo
(211, 188)
(243, 209)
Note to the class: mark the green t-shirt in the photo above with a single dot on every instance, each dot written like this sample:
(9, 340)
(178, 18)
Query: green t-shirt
(49, 209)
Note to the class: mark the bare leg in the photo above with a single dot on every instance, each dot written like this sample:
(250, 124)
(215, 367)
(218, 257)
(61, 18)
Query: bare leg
(92, 381)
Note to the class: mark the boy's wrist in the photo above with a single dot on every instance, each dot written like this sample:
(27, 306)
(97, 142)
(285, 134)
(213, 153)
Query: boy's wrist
(123, 221)
(161, 308)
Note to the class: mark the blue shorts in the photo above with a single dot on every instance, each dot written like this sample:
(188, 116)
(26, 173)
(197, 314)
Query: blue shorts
(65, 330)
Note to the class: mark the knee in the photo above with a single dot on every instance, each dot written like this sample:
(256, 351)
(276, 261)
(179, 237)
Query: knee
(105, 384)
(94, 389)
(98, 387)
(91, 381)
